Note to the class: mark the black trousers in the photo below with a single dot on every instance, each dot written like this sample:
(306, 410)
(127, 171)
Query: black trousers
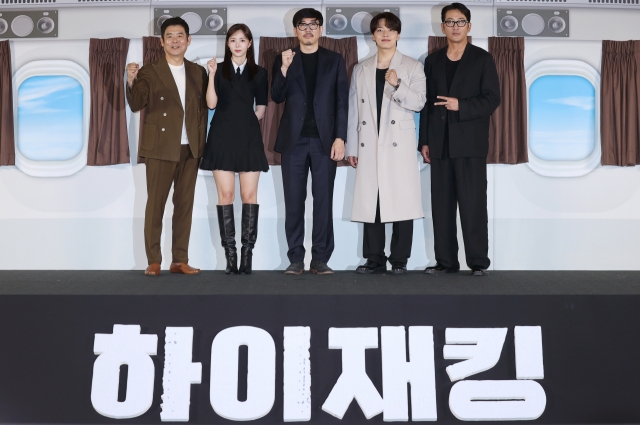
(374, 239)
(460, 182)
(308, 155)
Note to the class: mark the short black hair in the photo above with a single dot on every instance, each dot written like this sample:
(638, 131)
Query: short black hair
(174, 21)
(391, 21)
(456, 6)
(307, 12)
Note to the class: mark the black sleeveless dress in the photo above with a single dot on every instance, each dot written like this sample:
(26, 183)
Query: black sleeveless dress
(235, 142)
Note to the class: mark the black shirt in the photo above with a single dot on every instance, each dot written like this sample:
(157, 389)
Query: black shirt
(380, 73)
(310, 69)
(450, 72)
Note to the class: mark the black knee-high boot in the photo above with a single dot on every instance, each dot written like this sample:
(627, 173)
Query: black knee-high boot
(249, 235)
(228, 237)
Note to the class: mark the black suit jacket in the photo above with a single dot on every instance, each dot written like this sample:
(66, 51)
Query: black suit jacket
(477, 88)
(330, 103)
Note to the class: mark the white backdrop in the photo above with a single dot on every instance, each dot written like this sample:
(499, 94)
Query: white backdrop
(94, 218)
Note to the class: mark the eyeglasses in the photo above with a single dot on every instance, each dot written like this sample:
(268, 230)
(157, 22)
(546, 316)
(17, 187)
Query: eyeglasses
(312, 26)
(451, 23)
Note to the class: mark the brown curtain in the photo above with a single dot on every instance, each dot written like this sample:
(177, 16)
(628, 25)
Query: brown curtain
(508, 130)
(270, 47)
(437, 43)
(619, 104)
(7, 142)
(152, 51)
(108, 141)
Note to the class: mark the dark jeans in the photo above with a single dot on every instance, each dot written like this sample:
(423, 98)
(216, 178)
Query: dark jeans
(308, 155)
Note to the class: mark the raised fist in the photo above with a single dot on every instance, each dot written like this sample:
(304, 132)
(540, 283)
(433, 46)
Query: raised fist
(212, 65)
(287, 58)
(132, 72)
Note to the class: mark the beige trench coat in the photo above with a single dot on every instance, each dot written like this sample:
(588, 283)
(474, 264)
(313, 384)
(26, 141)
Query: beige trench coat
(388, 162)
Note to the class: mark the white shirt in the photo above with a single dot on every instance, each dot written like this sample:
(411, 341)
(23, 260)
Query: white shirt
(180, 77)
(235, 67)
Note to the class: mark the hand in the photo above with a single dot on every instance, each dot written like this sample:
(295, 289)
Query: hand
(451, 103)
(353, 161)
(287, 58)
(425, 154)
(391, 77)
(337, 150)
(132, 72)
(212, 65)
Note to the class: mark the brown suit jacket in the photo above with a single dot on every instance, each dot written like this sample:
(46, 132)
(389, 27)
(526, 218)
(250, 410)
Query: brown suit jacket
(156, 89)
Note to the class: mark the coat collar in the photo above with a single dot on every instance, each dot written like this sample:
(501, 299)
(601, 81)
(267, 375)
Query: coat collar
(164, 72)
(370, 66)
(442, 73)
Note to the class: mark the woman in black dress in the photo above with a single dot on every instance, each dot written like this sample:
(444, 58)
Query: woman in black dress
(235, 144)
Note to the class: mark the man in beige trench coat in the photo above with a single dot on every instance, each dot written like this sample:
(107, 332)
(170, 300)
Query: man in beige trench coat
(386, 91)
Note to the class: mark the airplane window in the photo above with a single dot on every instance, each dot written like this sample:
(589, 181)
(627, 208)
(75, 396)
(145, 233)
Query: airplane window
(50, 118)
(51, 113)
(564, 118)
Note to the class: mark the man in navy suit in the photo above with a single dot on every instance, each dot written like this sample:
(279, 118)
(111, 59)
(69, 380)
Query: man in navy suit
(313, 129)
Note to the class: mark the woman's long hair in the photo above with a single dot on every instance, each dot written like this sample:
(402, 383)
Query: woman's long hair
(251, 57)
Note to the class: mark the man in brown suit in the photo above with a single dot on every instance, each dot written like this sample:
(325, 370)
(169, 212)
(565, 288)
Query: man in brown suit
(173, 90)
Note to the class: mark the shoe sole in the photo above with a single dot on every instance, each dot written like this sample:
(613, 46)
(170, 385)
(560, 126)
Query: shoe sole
(294, 273)
(437, 273)
(374, 271)
(314, 271)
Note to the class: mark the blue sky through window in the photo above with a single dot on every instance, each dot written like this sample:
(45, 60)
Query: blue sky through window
(50, 118)
(562, 118)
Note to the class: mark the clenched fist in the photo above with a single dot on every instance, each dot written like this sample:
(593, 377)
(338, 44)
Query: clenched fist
(287, 58)
(132, 72)
(391, 77)
(212, 65)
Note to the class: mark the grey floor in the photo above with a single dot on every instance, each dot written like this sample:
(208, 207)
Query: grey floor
(133, 282)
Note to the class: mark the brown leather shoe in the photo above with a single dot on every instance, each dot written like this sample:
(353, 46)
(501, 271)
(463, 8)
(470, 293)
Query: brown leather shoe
(183, 268)
(152, 270)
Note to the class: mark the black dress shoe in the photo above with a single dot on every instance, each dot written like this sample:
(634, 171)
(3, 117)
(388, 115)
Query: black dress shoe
(318, 267)
(295, 268)
(398, 269)
(371, 267)
(440, 269)
(479, 271)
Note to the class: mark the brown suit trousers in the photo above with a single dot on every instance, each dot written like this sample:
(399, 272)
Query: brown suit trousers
(160, 175)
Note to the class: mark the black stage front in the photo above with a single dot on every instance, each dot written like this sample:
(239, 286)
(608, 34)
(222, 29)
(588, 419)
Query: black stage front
(589, 335)
(133, 282)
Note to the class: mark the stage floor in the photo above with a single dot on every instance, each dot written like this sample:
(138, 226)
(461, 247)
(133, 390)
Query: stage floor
(133, 282)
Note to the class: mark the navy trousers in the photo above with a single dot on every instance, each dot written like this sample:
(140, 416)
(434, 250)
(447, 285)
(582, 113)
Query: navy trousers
(308, 155)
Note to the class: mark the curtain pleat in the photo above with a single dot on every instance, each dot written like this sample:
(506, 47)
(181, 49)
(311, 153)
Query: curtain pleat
(7, 141)
(508, 129)
(108, 140)
(619, 109)
(270, 47)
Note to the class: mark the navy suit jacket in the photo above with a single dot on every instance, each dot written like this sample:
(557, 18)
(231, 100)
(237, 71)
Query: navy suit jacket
(477, 88)
(330, 102)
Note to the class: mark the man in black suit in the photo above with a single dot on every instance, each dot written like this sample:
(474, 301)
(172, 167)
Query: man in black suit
(462, 92)
(313, 82)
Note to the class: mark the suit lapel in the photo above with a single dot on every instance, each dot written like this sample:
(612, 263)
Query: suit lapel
(164, 72)
(460, 70)
(191, 91)
(323, 67)
(296, 70)
(369, 70)
(441, 70)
